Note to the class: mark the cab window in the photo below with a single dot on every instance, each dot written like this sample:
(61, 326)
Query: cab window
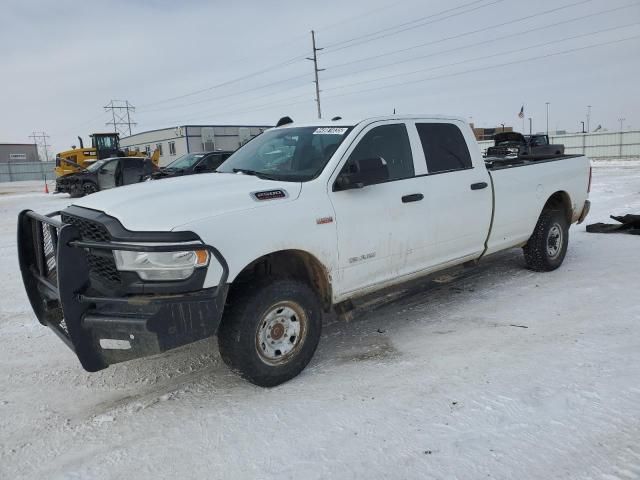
(445, 149)
(390, 143)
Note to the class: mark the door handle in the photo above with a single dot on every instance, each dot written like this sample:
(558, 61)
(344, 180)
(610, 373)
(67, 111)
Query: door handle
(414, 197)
(479, 185)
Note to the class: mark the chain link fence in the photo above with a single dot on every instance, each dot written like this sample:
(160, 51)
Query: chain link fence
(15, 171)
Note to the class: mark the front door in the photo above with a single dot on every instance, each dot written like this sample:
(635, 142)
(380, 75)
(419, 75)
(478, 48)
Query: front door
(380, 227)
(107, 175)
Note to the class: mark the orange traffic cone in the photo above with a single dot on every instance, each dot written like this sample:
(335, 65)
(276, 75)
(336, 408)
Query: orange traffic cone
(46, 187)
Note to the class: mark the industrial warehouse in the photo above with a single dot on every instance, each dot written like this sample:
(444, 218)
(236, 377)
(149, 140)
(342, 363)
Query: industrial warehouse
(173, 142)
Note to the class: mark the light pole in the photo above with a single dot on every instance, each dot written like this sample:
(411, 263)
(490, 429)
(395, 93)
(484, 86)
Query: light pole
(547, 103)
(582, 126)
(502, 126)
(588, 118)
(621, 120)
(530, 126)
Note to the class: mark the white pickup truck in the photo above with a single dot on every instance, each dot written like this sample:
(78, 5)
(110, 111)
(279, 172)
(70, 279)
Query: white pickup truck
(298, 222)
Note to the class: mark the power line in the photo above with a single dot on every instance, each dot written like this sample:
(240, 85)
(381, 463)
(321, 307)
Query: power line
(359, 16)
(492, 27)
(272, 67)
(488, 67)
(279, 82)
(121, 116)
(444, 18)
(499, 54)
(425, 79)
(411, 24)
(220, 97)
(228, 82)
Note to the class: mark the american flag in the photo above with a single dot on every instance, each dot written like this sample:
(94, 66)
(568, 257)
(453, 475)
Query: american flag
(521, 114)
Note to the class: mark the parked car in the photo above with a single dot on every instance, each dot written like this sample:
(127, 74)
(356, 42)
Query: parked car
(515, 144)
(260, 251)
(105, 174)
(191, 163)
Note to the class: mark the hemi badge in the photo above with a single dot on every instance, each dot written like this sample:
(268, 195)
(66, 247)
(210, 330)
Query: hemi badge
(323, 220)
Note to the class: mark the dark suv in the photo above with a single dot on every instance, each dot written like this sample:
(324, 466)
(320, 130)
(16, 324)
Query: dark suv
(191, 163)
(104, 174)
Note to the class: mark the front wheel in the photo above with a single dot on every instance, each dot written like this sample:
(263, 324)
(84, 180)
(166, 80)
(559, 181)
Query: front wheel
(547, 246)
(89, 188)
(270, 332)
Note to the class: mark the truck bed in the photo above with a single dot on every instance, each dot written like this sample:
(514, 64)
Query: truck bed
(497, 163)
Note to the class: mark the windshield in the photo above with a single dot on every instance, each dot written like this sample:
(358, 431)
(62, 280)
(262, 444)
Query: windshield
(96, 166)
(185, 161)
(295, 154)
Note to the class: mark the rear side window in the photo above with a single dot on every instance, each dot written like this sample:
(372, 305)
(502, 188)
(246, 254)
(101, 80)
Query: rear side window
(132, 163)
(445, 149)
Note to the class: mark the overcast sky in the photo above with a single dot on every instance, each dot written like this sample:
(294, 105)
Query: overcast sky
(62, 61)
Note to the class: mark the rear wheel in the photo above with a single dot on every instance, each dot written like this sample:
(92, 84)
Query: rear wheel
(270, 332)
(547, 247)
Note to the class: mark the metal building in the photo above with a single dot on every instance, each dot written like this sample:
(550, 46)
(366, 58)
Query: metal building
(18, 152)
(176, 141)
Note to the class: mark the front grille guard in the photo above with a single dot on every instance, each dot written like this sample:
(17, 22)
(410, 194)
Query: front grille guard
(55, 271)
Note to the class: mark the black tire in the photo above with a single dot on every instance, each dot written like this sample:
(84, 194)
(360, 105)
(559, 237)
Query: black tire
(89, 187)
(252, 316)
(76, 192)
(547, 247)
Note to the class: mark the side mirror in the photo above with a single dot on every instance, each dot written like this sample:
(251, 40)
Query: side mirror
(362, 172)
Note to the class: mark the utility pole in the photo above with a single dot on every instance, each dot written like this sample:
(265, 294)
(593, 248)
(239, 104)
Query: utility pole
(120, 115)
(40, 141)
(530, 126)
(588, 118)
(621, 120)
(582, 122)
(547, 103)
(314, 59)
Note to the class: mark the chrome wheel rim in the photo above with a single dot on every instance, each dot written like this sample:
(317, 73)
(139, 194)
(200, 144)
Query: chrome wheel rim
(281, 333)
(554, 241)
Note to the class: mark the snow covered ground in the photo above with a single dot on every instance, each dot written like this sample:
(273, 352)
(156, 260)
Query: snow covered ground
(501, 373)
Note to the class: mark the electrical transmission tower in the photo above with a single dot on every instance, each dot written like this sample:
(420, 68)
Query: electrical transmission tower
(314, 59)
(121, 116)
(40, 140)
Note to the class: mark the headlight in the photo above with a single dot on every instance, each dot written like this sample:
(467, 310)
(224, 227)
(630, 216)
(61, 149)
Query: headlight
(161, 265)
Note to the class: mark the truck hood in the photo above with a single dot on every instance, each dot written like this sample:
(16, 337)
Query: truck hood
(162, 205)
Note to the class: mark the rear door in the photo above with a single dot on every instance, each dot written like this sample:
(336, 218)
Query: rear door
(459, 192)
(132, 170)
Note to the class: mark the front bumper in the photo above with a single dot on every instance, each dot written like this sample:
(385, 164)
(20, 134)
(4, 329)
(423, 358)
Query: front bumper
(106, 325)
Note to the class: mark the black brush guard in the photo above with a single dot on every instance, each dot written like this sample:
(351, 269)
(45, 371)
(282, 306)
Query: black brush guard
(56, 274)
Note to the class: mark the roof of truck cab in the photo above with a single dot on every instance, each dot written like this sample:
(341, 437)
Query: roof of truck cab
(350, 122)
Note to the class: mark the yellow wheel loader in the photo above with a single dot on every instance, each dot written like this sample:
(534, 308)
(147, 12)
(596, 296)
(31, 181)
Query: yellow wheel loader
(103, 145)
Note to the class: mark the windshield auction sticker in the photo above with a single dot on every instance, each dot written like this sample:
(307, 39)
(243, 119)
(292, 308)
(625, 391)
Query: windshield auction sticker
(330, 131)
